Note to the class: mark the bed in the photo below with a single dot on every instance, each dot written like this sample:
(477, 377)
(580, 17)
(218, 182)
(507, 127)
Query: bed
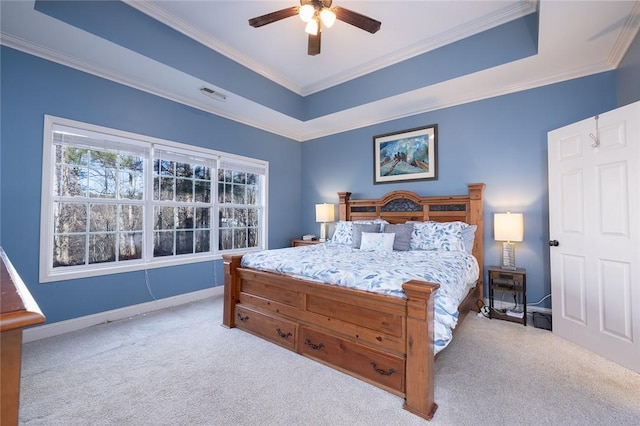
(383, 339)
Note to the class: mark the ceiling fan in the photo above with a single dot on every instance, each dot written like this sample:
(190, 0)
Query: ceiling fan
(317, 13)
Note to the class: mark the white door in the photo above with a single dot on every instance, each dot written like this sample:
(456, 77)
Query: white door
(594, 224)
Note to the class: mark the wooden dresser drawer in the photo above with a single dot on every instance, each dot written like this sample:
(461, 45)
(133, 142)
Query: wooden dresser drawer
(369, 364)
(276, 330)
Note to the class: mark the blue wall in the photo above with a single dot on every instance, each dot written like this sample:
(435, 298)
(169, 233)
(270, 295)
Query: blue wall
(500, 141)
(32, 87)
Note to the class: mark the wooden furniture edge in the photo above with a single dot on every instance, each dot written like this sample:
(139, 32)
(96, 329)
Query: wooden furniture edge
(18, 309)
(231, 288)
(419, 369)
(476, 217)
(27, 312)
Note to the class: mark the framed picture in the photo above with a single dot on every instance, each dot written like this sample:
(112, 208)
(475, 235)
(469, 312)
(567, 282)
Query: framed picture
(406, 156)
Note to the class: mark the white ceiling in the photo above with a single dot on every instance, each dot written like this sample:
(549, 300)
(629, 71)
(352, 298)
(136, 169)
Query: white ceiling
(576, 38)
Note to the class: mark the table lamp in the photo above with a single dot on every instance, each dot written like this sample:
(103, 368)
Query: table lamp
(508, 227)
(324, 214)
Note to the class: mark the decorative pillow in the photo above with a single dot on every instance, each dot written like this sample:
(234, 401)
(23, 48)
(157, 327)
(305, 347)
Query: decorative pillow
(343, 233)
(437, 236)
(469, 237)
(380, 242)
(382, 222)
(359, 228)
(402, 241)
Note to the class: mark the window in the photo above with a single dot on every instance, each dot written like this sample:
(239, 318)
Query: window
(114, 201)
(240, 210)
(182, 204)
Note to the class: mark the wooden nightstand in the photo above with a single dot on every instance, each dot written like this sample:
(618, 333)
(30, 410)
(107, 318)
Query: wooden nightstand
(298, 242)
(509, 281)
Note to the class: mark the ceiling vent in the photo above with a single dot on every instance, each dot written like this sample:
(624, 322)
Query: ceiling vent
(213, 94)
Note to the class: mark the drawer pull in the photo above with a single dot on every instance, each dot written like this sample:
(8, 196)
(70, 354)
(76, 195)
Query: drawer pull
(381, 371)
(312, 346)
(243, 319)
(283, 335)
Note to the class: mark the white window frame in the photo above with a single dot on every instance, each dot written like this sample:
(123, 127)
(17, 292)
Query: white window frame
(49, 274)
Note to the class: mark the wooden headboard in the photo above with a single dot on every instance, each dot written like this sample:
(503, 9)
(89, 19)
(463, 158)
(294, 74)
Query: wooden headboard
(402, 206)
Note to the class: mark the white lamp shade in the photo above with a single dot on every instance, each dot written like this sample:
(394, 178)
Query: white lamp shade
(306, 12)
(328, 17)
(311, 27)
(324, 213)
(508, 226)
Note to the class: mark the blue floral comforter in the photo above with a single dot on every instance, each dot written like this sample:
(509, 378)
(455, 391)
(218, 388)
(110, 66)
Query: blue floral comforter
(455, 271)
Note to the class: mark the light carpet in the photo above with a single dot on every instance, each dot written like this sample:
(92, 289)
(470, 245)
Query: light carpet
(178, 366)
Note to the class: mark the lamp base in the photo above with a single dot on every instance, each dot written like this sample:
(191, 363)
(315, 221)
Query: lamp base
(324, 231)
(508, 256)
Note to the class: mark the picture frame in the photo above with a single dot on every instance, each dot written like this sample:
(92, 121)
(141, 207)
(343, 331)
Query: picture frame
(409, 155)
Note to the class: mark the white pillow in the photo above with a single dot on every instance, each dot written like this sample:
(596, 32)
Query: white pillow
(377, 242)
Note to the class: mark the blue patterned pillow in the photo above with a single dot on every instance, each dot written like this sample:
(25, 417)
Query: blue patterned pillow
(468, 235)
(343, 233)
(437, 236)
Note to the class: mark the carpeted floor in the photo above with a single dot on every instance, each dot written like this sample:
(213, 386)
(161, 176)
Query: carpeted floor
(180, 367)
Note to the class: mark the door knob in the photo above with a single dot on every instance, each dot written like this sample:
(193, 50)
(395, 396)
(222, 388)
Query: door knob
(554, 243)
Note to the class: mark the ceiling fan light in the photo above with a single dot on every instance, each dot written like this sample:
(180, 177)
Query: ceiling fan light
(306, 12)
(311, 27)
(328, 17)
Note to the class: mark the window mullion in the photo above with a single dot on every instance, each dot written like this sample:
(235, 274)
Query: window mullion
(214, 212)
(149, 235)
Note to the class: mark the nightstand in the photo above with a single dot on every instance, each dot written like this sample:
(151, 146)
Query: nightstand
(512, 282)
(298, 243)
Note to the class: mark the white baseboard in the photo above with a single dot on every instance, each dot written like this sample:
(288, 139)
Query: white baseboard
(61, 327)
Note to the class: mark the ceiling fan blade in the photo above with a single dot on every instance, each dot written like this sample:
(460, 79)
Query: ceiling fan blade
(313, 48)
(273, 16)
(356, 19)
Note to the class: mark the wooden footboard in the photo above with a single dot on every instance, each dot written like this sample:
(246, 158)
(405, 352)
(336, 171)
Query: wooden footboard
(383, 340)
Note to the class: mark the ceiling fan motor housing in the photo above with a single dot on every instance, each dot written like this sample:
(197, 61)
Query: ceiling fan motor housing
(318, 4)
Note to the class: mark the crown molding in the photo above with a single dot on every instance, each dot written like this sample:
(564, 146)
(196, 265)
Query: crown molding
(629, 31)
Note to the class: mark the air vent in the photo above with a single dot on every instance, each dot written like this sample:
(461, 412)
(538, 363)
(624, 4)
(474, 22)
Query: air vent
(213, 94)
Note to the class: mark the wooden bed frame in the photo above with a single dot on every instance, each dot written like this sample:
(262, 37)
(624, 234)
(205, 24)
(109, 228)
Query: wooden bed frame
(384, 340)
